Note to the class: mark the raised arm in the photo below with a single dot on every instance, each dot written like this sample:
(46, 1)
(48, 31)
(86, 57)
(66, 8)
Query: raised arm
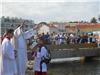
(28, 34)
(18, 32)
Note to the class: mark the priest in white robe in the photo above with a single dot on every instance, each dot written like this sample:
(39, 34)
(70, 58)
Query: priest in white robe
(8, 56)
(15, 66)
(21, 48)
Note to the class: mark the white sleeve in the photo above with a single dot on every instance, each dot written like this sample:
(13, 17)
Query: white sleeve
(28, 34)
(8, 51)
(43, 51)
(38, 55)
(17, 32)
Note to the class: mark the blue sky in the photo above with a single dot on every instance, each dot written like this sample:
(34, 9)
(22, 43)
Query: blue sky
(51, 10)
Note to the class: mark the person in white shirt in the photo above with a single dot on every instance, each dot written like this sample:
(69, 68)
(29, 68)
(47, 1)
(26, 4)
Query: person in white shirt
(8, 56)
(40, 68)
(21, 48)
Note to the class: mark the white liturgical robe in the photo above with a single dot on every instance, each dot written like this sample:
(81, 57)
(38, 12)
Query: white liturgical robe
(37, 60)
(21, 48)
(8, 58)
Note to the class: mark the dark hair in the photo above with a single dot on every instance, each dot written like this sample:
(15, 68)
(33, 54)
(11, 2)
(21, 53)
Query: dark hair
(40, 38)
(9, 31)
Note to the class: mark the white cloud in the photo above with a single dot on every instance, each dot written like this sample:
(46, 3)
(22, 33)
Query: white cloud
(55, 11)
(49, 0)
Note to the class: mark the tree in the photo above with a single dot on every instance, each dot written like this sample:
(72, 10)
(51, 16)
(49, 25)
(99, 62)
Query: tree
(93, 20)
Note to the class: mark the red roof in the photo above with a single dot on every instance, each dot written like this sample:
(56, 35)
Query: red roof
(85, 25)
(90, 25)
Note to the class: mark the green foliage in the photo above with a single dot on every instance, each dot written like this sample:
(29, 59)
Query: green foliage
(93, 20)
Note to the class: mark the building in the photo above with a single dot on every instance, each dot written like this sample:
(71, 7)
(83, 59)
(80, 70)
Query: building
(60, 26)
(82, 27)
(53, 28)
(88, 27)
(68, 27)
(42, 27)
(45, 28)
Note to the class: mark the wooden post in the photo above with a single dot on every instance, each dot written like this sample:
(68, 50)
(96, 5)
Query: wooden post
(82, 60)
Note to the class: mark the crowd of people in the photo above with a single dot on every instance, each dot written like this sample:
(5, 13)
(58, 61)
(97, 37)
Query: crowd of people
(69, 38)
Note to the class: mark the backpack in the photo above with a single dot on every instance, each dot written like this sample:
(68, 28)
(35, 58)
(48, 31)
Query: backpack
(46, 59)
